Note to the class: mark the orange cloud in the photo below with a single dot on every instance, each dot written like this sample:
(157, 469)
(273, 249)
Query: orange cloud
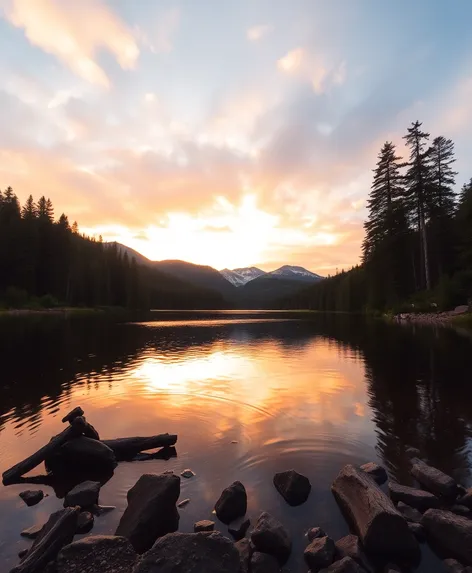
(74, 32)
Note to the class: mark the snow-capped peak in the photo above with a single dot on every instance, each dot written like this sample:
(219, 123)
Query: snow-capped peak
(294, 272)
(240, 277)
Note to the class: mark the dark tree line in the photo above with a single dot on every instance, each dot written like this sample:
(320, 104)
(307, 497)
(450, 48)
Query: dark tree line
(418, 235)
(47, 262)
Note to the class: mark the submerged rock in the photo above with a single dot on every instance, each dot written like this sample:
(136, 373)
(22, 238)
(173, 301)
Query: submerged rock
(413, 497)
(32, 497)
(22, 553)
(204, 525)
(98, 553)
(376, 472)
(381, 528)
(320, 553)
(187, 474)
(151, 511)
(232, 503)
(58, 531)
(190, 553)
(450, 532)
(84, 494)
(293, 487)
(270, 536)
(238, 528)
(434, 480)
(314, 533)
(264, 563)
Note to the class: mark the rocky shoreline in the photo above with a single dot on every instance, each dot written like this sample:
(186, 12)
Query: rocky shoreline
(388, 520)
(433, 318)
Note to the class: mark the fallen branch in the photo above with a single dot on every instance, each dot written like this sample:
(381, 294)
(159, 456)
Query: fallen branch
(124, 448)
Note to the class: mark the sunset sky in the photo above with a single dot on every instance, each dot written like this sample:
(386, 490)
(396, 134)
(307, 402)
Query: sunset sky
(225, 132)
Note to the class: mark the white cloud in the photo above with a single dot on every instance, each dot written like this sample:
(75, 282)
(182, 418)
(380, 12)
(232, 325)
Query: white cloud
(256, 33)
(292, 61)
(74, 32)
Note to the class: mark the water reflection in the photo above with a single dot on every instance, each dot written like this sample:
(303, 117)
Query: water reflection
(247, 397)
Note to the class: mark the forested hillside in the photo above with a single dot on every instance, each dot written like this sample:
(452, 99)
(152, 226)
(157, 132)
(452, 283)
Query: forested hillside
(46, 262)
(417, 248)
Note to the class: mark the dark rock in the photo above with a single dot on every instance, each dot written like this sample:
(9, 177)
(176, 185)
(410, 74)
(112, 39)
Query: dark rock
(190, 553)
(32, 497)
(392, 568)
(187, 474)
(58, 531)
(22, 553)
(245, 550)
(82, 454)
(418, 531)
(238, 528)
(461, 510)
(270, 536)
(376, 472)
(350, 546)
(204, 525)
(85, 522)
(413, 497)
(293, 487)
(450, 532)
(98, 553)
(466, 498)
(232, 503)
(409, 513)
(345, 565)
(453, 566)
(314, 533)
(434, 480)
(75, 413)
(381, 528)
(33, 531)
(412, 452)
(85, 494)
(151, 511)
(264, 563)
(320, 553)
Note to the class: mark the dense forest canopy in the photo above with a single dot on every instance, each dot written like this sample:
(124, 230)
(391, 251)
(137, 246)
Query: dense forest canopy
(417, 248)
(46, 262)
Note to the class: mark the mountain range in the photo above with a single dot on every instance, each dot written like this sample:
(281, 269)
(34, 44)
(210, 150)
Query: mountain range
(248, 287)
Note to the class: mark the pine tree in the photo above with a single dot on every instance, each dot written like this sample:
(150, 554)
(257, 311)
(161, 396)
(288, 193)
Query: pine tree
(464, 223)
(417, 180)
(45, 210)
(443, 178)
(28, 212)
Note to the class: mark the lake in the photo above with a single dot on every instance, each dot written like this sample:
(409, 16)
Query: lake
(249, 394)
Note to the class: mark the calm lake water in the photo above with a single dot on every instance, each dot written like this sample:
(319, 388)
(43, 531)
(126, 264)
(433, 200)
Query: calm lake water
(309, 393)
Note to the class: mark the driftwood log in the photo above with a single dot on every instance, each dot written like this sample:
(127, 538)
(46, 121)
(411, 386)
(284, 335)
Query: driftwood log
(11, 475)
(450, 533)
(381, 528)
(125, 448)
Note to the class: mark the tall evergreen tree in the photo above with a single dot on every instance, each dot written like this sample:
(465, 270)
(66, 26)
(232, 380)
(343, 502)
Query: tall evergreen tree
(417, 180)
(28, 212)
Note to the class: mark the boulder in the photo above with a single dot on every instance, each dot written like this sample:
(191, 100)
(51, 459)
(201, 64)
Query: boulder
(232, 503)
(237, 529)
(418, 531)
(264, 563)
(32, 497)
(85, 522)
(412, 452)
(453, 566)
(381, 528)
(409, 513)
(461, 510)
(345, 565)
(245, 551)
(320, 553)
(151, 511)
(293, 487)
(376, 472)
(85, 494)
(392, 568)
(270, 536)
(450, 532)
(190, 553)
(75, 413)
(434, 480)
(58, 531)
(22, 553)
(80, 455)
(350, 546)
(97, 553)
(204, 525)
(466, 498)
(314, 533)
(413, 497)
(33, 531)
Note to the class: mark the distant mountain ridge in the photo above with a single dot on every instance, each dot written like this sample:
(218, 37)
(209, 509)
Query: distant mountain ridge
(241, 277)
